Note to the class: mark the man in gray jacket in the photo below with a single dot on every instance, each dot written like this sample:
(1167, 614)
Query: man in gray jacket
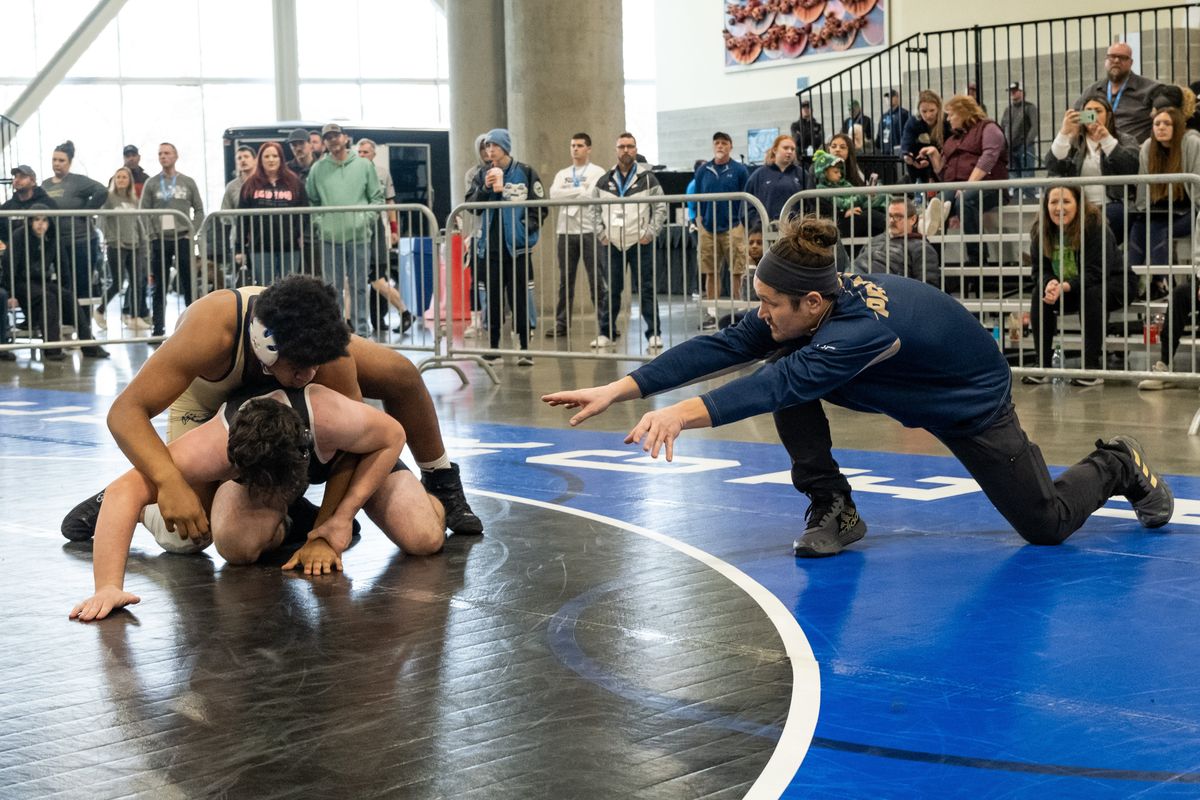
(169, 242)
(1127, 92)
(901, 250)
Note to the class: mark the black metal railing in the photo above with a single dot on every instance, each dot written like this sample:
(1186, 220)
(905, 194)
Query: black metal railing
(1054, 59)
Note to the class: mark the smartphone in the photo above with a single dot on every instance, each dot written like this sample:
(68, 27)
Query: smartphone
(1087, 116)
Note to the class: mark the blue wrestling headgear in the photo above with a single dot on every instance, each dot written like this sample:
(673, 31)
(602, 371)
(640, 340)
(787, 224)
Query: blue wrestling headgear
(262, 341)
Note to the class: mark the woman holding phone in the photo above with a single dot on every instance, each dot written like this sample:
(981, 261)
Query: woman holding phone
(1088, 145)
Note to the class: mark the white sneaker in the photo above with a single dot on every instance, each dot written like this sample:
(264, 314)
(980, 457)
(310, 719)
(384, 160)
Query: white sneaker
(135, 323)
(655, 343)
(930, 223)
(600, 341)
(99, 320)
(472, 332)
(1156, 384)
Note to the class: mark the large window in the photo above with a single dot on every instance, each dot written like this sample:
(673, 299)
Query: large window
(185, 70)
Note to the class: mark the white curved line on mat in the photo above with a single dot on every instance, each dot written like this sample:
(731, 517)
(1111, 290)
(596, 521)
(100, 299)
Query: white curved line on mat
(806, 679)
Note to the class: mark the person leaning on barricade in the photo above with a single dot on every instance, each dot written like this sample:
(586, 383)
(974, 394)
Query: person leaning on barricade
(506, 236)
(627, 232)
(37, 260)
(880, 344)
(1078, 268)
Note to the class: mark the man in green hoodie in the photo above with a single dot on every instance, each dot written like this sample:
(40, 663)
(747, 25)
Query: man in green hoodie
(341, 178)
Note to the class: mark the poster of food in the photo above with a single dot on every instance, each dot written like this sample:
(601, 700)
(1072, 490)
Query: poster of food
(776, 32)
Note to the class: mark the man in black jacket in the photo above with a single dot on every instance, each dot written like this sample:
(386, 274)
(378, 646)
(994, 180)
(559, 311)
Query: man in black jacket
(808, 133)
(26, 193)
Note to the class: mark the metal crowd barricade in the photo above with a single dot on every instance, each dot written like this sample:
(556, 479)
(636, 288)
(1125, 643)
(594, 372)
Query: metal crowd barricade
(986, 263)
(60, 271)
(535, 286)
(389, 280)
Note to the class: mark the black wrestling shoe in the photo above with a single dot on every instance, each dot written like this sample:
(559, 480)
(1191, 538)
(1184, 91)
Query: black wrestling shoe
(302, 517)
(446, 485)
(1155, 503)
(79, 524)
(833, 523)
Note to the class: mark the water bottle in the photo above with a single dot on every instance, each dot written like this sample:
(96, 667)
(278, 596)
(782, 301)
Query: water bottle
(1056, 362)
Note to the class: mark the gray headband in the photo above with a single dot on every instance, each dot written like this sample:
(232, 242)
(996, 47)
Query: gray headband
(797, 279)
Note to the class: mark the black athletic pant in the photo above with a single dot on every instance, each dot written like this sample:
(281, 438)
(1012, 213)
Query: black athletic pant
(1006, 465)
(163, 252)
(1098, 301)
(507, 281)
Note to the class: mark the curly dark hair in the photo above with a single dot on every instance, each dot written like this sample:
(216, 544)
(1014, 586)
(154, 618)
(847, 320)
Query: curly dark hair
(269, 451)
(306, 319)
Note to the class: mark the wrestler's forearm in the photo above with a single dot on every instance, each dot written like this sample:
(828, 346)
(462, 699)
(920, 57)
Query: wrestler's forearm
(123, 502)
(369, 474)
(135, 435)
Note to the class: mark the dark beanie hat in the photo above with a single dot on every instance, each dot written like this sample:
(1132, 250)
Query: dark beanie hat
(809, 267)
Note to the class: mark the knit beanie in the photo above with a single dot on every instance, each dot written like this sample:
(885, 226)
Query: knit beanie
(823, 161)
(501, 137)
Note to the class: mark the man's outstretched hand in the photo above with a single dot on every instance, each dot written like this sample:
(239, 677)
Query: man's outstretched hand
(316, 557)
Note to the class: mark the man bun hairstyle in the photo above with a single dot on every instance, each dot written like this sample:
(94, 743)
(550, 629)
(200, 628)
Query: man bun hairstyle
(269, 451)
(802, 259)
(305, 318)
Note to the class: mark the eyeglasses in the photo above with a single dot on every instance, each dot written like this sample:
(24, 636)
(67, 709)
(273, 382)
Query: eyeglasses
(1112, 57)
(898, 216)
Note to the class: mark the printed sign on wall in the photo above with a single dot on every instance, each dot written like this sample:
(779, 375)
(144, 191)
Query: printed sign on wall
(778, 32)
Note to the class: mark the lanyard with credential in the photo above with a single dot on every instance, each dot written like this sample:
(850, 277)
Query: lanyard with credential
(575, 177)
(162, 187)
(623, 187)
(1117, 101)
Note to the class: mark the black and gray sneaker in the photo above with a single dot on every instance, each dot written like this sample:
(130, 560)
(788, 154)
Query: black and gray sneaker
(833, 524)
(446, 485)
(1150, 495)
(79, 524)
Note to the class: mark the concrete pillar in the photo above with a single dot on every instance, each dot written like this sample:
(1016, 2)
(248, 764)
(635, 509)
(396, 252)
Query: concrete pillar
(565, 74)
(478, 100)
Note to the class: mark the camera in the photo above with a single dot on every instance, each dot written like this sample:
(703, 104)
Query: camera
(1087, 116)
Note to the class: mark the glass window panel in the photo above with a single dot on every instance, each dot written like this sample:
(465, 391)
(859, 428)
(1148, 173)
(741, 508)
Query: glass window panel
(402, 105)
(328, 49)
(382, 56)
(170, 113)
(443, 41)
(158, 39)
(325, 101)
(88, 115)
(641, 117)
(17, 55)
(638, 44)
(102, 57)
(236, 39)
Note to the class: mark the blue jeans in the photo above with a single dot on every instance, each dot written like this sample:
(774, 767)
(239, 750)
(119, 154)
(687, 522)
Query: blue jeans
(267, 267)
(346, 263)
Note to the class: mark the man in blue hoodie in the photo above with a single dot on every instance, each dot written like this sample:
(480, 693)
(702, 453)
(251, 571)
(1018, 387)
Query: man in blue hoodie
(885, 344)
(722, 224)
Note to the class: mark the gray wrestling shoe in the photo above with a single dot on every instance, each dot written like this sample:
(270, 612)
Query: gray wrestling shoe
(833, 524)
(1155, 503)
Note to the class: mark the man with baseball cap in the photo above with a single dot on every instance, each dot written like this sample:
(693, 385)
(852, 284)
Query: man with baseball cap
(26, 193)
(133, 163)
(302, 153)
(877, 343)
(341, 178)
(1020, 124)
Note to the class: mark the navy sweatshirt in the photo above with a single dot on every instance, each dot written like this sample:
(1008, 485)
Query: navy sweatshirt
(891, 345)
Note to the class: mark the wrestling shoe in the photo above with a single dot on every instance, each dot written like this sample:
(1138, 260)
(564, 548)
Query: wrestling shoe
(446, 485)
(833, 523)
(79, 524)
(1150, 495)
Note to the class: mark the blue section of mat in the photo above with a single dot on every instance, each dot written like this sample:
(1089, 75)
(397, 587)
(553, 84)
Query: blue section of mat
(955, 660)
